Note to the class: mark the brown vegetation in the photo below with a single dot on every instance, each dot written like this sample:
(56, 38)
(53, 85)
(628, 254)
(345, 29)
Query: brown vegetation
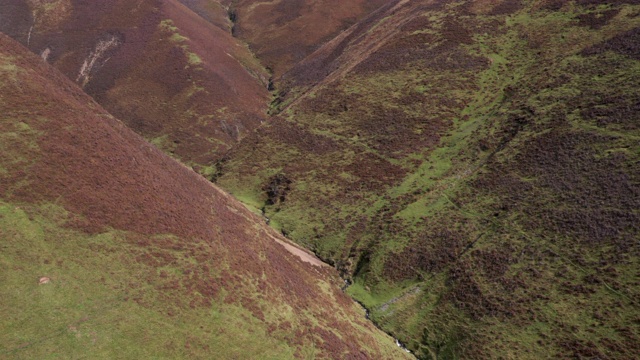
(175, 77)
(107, 177)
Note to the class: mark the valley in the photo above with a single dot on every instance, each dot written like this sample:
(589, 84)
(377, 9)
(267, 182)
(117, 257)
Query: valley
(221, 168)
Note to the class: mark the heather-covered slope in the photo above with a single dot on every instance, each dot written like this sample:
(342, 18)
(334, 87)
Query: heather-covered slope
(283, 32)
(214, 11)
(176, 76)
(474, 167)
(111, 249)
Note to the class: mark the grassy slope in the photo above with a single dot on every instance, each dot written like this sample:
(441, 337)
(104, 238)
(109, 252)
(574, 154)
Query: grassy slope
(95, 304)
(145, 258)
(476, 174)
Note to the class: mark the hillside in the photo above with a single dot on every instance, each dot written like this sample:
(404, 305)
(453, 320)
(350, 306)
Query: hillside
(284, 32)
(473, 167)
(111, 249)
(173, 72)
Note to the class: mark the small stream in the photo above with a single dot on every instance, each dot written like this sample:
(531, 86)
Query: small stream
(347, 283)
(367, 315)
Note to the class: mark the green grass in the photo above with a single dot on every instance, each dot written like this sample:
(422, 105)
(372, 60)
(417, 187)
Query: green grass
(194, 59)
(167, 25)
(89, 307)
(373, 298)
(9, 69)
(534, 80)
(177, 38)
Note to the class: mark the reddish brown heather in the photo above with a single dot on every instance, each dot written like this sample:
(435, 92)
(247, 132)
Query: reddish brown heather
(214, 11)
(106, 176)
(283, 32)
(167, 72)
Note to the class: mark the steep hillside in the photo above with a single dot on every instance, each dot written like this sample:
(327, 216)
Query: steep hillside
(111, 249)
(216, 12)
(473, 167)
(283, 32)
(174, 75)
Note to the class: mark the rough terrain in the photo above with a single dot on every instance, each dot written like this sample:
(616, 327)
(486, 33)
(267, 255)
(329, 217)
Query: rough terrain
(111, 249)
(472, 167)
(173, 72)
(284, 32)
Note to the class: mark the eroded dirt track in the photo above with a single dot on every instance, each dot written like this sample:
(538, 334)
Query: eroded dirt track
(302, 254)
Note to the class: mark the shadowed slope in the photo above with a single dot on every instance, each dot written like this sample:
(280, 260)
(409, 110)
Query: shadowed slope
(473, 167)
(138, 256)
(216, 12)
(282, 33)
(178, 78)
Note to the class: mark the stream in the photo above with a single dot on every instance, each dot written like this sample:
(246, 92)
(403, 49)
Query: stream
(367, 315)
(313, 259)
